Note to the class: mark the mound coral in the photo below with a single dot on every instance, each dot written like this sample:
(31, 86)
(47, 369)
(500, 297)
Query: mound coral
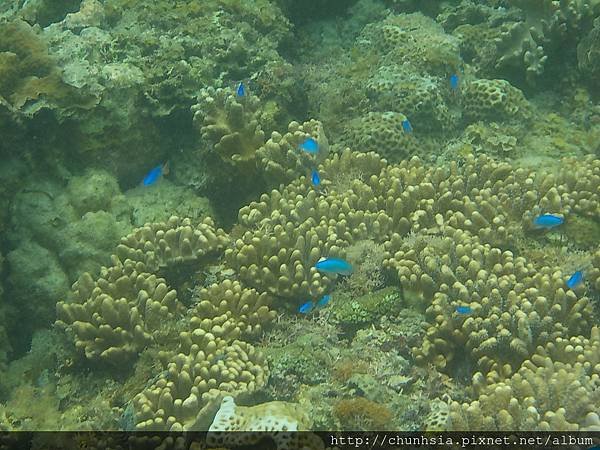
(271, 419)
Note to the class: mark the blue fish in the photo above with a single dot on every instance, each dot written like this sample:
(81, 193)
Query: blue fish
(463, 309)
(406, 126)
(548, 221)
(575, 280)
(305, 308)
(310, 145)
(316, 179)
(154, 175)
(454, 82)
(334, 265)
(323, 302)
(241, 90)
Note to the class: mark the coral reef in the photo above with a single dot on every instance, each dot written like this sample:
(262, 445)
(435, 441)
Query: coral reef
(194, 380)
(362, 414)
(383, 133)
(280, 160)
(57, 233)
(174, 242)
(359, 312)
(557, 389)
(120, 313)
(29, 77)
(495, 99)
(445, 129)
(271, 419)
(168, 199)
(229, 311)
(524, 40)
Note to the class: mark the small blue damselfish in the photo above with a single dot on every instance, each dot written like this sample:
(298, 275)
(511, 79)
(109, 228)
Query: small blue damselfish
(305, 308)
(154, 175)
(406, 126)
(575, 280)
(548, 221)
(323, 301)
(241, 90)
(463, 309)
(315, 178)
(454, 81)
(309, 145)
(334, 265)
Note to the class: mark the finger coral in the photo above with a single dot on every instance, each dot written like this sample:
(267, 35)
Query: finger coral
(174, 242)
(114, 317)
(228, 309)
(557, 389)
(195, 379)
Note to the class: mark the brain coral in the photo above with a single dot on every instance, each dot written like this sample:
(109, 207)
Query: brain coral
(493, 99)
(383, 132)
(413, 39)
(272, 419)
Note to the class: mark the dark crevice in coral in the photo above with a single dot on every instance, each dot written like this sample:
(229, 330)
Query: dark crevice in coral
(303, 12)
(52, 11)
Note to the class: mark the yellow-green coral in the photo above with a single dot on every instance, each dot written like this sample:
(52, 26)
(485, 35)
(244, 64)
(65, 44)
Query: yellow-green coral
(230, 124)
(177, 241)
(229, 310)
(281, 160)
(195, 379)
(115, 316)
(557, 389)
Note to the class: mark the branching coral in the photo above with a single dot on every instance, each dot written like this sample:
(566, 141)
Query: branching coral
(229, 124)
(557, 389)
(229, 310)
(281, 160)
(175, 242)
(116, 316)
(194, 380)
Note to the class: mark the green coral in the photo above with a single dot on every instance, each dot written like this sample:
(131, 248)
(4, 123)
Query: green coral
(352, 314)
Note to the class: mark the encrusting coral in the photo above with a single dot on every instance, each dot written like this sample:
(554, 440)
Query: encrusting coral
(272, 419)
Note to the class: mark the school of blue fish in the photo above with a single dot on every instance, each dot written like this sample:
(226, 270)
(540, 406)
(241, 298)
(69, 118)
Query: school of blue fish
(337, 266)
